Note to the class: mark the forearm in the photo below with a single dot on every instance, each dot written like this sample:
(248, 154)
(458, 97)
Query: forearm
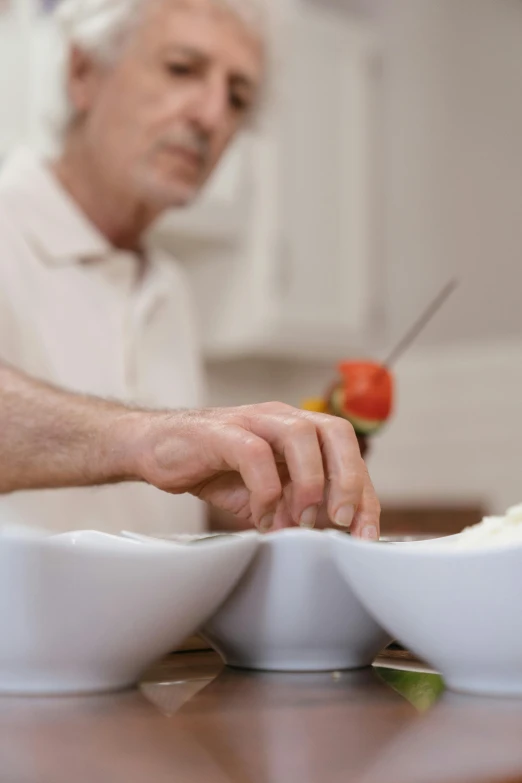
(52, 438)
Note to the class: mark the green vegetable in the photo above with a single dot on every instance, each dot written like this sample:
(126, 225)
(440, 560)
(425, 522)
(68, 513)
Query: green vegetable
(420, 688)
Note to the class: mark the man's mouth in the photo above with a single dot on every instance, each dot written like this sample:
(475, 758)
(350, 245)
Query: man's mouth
(187, 155)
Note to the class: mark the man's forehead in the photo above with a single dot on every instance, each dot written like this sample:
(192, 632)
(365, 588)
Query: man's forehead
(206, 27)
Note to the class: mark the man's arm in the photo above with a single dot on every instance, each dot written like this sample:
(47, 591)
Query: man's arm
(53, 438)
(269, 464)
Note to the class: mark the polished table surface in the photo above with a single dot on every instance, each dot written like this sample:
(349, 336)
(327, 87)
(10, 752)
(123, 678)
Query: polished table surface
(193, 720)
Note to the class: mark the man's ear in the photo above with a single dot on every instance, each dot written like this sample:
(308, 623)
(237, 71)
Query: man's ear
(83, 75)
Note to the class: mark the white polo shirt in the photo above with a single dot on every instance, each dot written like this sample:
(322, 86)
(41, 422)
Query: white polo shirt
(71, 312)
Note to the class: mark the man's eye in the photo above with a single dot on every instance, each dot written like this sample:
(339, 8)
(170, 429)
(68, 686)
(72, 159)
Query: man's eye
(239, 103)
(180, 69)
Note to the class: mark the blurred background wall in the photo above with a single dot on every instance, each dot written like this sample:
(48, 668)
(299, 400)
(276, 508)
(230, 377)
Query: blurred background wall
(424, 98)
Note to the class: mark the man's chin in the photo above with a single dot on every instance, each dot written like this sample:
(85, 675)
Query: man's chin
(168, 195)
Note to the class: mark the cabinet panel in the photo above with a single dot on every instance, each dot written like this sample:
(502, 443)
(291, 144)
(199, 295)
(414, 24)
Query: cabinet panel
(13, 77)
(325, 175)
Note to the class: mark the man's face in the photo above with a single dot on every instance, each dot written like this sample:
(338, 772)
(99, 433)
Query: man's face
(159, 119)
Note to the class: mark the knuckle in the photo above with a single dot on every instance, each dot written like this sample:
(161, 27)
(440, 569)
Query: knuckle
(300, 427)
(369, 488)
(350, 481)
(344, 427)
(270, 494)
(316, 480)
(311, 485)
(283, 406)
(256, 448)
(274, 406)
(373, 503)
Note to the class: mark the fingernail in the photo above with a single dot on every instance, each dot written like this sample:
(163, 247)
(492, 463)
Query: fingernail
(308, 517)
(266, 523)
(344, 516)
(370, 532)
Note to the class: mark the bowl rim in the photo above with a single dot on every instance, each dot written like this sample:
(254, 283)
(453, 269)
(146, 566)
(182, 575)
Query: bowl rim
(435, 548)
(86, 542)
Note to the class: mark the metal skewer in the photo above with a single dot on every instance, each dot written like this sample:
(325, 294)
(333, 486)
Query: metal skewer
(421, 322)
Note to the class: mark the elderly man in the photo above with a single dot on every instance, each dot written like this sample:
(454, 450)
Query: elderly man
(154, 92)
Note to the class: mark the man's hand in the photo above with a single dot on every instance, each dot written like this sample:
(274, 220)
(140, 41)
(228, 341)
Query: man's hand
(269, 464)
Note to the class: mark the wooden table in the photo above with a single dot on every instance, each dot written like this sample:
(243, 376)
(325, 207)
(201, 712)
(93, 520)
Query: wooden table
(194, 721)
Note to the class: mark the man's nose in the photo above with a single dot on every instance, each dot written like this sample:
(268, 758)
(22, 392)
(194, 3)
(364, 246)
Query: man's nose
(211, 105)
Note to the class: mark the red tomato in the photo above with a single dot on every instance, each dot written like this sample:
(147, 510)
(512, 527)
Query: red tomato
(368, 389)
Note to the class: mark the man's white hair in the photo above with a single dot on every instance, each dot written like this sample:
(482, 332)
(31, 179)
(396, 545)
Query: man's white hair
(100, 27)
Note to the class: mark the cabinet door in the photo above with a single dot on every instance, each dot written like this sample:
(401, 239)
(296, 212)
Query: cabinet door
(45, 78)
(13, 75)
(323, 258)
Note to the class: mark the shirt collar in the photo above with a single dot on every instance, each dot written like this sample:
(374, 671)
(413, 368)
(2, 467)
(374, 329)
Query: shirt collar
(47, 213)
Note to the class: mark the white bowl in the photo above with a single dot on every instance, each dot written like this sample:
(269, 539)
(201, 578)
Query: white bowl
(457, 609)
(292, 610)
(87, 611)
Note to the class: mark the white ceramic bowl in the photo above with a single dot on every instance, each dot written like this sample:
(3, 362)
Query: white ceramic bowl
(292, 610)
(87, 611)
(457, 609)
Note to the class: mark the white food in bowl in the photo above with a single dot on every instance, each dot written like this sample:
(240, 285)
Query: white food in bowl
(493, 530)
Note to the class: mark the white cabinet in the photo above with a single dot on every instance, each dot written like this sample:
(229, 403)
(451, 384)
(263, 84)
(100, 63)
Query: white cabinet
(290, 274)
(28, 50)
(14, 75)
(324, 177)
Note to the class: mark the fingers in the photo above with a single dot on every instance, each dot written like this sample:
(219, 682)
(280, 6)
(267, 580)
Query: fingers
(352, 501)
(345, 469)
(296, 439)
(316, 451)
(283, 517)
(254, 460)
(366, 523)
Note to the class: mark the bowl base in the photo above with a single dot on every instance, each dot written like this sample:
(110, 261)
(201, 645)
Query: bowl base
(487, 685)
(47, 687)
(295, 665)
